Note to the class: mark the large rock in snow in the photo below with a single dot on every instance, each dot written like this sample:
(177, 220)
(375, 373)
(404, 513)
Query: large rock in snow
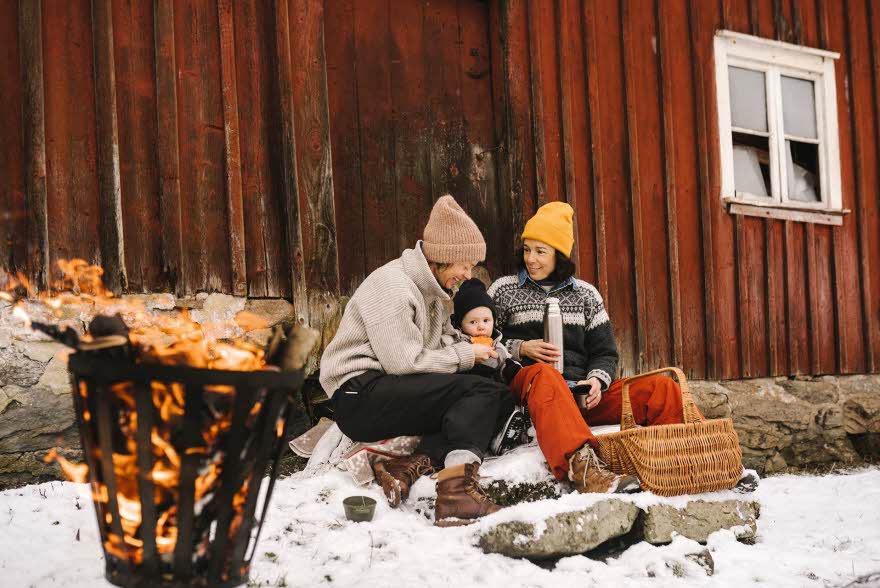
(699, 519)
(568, 533)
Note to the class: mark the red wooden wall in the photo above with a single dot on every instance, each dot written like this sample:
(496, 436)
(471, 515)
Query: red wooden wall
(618, 117)
(289, 147)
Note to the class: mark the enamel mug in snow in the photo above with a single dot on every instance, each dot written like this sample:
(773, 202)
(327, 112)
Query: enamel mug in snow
(553, 328)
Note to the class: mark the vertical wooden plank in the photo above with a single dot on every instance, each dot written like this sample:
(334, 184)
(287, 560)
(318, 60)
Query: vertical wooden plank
(837, 339)
(13, 218)
(815, 321)
(168, 150)
(575, 136)
(663, 14)
(232, 151)
(874, 226)
(650, 221)
(826, 303)
(259, 143)
(74, 210)
(292, 216)
(411, 131)
(796, 294)
(109, 180)
(687, 275)
(345, 141)
(814, 317)
(745, 306)
(315, 165)
(533, 18)
(513, 116)
(202, 148)
(34, 128)
(717, 230)
(137, 127)
(474, 55)
(591, 51)
(865, 156)
(773, 23)
(741, 16)
(784, 352)
(372, 47)
(605, 26)
(450, 154)
(845, 238)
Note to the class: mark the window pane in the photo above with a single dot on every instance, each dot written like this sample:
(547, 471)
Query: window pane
(799, 107)
(802, 169)
(748, 99)
(751, 164)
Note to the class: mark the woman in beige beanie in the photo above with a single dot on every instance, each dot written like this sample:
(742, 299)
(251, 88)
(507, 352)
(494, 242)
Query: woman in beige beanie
(392, 368)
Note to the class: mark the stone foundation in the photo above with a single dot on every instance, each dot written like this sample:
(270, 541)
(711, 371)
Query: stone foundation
(36, 409)
(792, 424)
(783, 424)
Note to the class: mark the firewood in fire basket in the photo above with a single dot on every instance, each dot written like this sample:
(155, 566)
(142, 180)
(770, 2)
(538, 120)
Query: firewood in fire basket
(104, 325)
(301, 340)
(65, 336)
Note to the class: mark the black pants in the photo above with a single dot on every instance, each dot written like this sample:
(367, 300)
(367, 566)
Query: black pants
(449, 411)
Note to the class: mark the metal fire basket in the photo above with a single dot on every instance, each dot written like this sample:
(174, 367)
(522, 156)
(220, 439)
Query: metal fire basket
(177, 483)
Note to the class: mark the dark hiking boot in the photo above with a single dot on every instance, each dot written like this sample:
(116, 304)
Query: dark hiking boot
(511, 434)
(397, 475)
(589, 474)
(460, 499)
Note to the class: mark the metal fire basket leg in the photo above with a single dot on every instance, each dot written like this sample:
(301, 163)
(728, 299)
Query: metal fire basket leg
(177, 457)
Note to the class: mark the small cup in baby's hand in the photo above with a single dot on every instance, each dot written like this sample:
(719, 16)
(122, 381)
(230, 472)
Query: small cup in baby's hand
(359, 509)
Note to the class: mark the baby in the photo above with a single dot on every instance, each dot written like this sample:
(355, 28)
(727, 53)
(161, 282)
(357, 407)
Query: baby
(474, 317)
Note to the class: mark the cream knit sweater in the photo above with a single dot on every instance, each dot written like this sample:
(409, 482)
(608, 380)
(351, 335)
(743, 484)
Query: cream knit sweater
(397, 322)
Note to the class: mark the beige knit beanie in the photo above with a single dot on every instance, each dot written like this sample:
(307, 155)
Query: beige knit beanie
(451, 236)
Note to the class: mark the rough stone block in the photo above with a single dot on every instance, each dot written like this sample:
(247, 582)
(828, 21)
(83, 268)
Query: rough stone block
(563, 534)
(274, 310)
(699, 519)
(41, 351)
(56, 377)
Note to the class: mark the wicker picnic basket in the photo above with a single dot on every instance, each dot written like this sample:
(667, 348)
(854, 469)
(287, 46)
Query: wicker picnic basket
(696, 456)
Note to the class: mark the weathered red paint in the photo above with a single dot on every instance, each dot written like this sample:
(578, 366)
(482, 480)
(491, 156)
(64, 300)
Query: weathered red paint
(289, 147)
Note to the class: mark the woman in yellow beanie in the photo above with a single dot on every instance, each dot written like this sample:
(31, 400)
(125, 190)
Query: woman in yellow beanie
(589, 356)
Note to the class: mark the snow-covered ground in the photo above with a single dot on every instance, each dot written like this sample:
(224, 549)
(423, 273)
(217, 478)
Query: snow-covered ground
(813, 531)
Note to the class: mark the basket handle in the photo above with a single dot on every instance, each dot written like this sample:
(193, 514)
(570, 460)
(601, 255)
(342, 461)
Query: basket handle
(691, 414)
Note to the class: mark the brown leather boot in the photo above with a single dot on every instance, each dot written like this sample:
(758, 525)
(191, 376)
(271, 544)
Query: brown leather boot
(589, 474)
(460, 499)
(397, 475)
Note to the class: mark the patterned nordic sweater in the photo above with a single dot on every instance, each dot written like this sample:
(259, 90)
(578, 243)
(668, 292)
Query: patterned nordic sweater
(589, 344)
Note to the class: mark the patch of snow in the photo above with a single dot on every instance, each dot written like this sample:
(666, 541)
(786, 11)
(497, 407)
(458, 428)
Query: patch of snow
(813, 531)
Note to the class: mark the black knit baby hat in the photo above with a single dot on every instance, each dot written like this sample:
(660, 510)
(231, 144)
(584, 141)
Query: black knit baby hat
(471, 294)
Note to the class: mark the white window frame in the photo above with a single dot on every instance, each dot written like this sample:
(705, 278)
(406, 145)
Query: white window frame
(776, 59)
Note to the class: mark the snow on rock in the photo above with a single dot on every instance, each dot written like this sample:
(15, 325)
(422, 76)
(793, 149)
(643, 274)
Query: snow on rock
(699, 519)
(563, 534)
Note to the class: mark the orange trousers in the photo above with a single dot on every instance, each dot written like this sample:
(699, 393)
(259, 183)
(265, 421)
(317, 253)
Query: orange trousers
(561, 427)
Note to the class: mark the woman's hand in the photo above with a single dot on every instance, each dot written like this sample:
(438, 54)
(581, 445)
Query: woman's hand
(539, 350)
(483, 352)
(595, 393)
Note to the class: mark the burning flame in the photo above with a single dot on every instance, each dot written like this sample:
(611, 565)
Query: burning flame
(164, 338)
(156, 338)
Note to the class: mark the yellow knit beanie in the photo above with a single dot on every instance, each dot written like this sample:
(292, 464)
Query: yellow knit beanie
(552, 224)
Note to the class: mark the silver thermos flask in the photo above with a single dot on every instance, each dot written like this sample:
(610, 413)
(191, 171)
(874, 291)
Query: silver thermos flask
(553, 328)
